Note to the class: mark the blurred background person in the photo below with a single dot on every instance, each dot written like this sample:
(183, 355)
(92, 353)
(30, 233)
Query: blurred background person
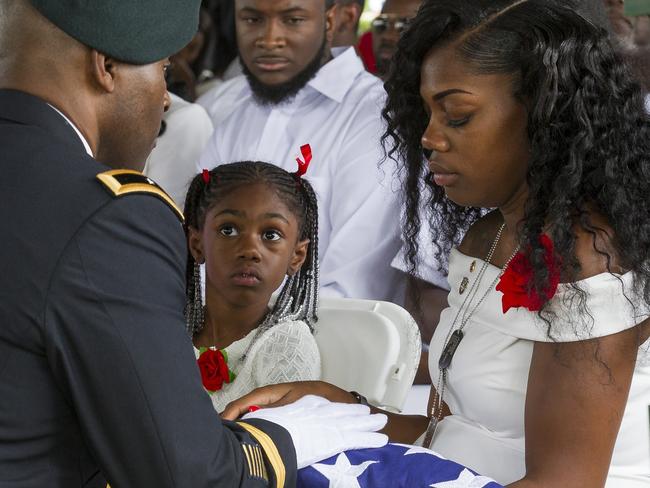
(347, 16)
(185, 130)
(297, 90)
(387, 28)
(186, 64)
(630, 24)
(220, 62)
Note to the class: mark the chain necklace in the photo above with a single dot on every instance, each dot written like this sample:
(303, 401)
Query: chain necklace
(453, 338)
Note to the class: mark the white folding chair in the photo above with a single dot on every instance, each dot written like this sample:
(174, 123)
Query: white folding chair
(368, 346)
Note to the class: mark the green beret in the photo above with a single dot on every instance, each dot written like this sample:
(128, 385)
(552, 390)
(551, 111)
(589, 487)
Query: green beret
(133, 31)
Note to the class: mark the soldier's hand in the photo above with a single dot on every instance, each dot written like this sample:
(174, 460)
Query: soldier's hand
(320, 428)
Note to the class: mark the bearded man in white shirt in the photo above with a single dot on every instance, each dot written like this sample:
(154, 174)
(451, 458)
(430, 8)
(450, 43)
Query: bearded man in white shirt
(297, 90)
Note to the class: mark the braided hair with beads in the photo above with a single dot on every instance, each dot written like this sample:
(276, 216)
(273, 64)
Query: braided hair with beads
(298, 298)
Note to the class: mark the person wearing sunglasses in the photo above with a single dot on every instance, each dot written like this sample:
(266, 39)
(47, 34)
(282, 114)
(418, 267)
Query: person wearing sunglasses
(386, 29)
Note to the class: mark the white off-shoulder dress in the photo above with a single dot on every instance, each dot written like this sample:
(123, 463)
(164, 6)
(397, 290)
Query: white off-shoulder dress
(487, 379)
(285, 352)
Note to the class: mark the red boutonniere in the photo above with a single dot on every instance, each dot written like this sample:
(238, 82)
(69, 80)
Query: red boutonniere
(213, 365)
(516, 277)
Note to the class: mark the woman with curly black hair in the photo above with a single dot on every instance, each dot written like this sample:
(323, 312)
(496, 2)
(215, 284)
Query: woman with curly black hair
(537, 148)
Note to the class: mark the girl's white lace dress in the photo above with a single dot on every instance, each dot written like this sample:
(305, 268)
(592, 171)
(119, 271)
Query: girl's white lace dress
(285, 352)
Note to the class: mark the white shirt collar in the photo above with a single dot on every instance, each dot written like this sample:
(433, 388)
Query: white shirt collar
(336, 77)
(83, 139)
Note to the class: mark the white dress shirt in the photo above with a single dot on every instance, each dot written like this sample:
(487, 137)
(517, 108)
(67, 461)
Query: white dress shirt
(222, 98)
(339, 114)
(172, 163)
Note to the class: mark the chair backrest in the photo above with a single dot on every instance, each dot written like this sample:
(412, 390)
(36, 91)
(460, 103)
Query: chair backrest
(368, 346)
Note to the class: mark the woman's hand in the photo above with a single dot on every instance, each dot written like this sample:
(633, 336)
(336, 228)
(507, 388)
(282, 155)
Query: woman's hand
(284, 393)
(400, 428)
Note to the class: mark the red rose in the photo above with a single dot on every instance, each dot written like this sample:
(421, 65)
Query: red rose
(214, 369)
(516, 277)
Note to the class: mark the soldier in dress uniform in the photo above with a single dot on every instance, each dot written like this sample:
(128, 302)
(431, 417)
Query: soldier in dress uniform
(98, 381)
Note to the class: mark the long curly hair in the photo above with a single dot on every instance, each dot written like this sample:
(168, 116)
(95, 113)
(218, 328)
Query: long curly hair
(587, 129)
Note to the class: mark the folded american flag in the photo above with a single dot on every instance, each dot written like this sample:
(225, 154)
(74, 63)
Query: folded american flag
(391, 466)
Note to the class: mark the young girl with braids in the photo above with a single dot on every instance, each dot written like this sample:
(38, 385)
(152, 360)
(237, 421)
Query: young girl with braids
(254, 225)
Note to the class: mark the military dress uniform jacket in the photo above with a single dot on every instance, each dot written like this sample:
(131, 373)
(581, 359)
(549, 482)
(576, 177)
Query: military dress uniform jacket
(98, 380)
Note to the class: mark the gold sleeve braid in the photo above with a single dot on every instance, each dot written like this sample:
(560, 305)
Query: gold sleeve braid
(254, 460)
(255, 457)
(272, 454)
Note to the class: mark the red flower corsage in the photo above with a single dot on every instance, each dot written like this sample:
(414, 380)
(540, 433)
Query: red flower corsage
(213, 365)
(514, 283)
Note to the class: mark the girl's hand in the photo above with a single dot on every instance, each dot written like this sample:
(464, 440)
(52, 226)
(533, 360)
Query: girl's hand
(284, 393)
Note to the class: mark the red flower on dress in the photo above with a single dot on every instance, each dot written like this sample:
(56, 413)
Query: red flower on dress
(214, 369)
(516, 278)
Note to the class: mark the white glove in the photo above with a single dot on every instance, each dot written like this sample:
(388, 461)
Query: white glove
(319, 428)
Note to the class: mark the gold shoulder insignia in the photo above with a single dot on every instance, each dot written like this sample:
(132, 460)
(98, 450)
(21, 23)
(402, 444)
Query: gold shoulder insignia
(255, 458)
(124, 181)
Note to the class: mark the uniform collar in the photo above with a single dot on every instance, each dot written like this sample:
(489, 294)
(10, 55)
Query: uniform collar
(27, 109)
(336, 77)
(76, 129)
